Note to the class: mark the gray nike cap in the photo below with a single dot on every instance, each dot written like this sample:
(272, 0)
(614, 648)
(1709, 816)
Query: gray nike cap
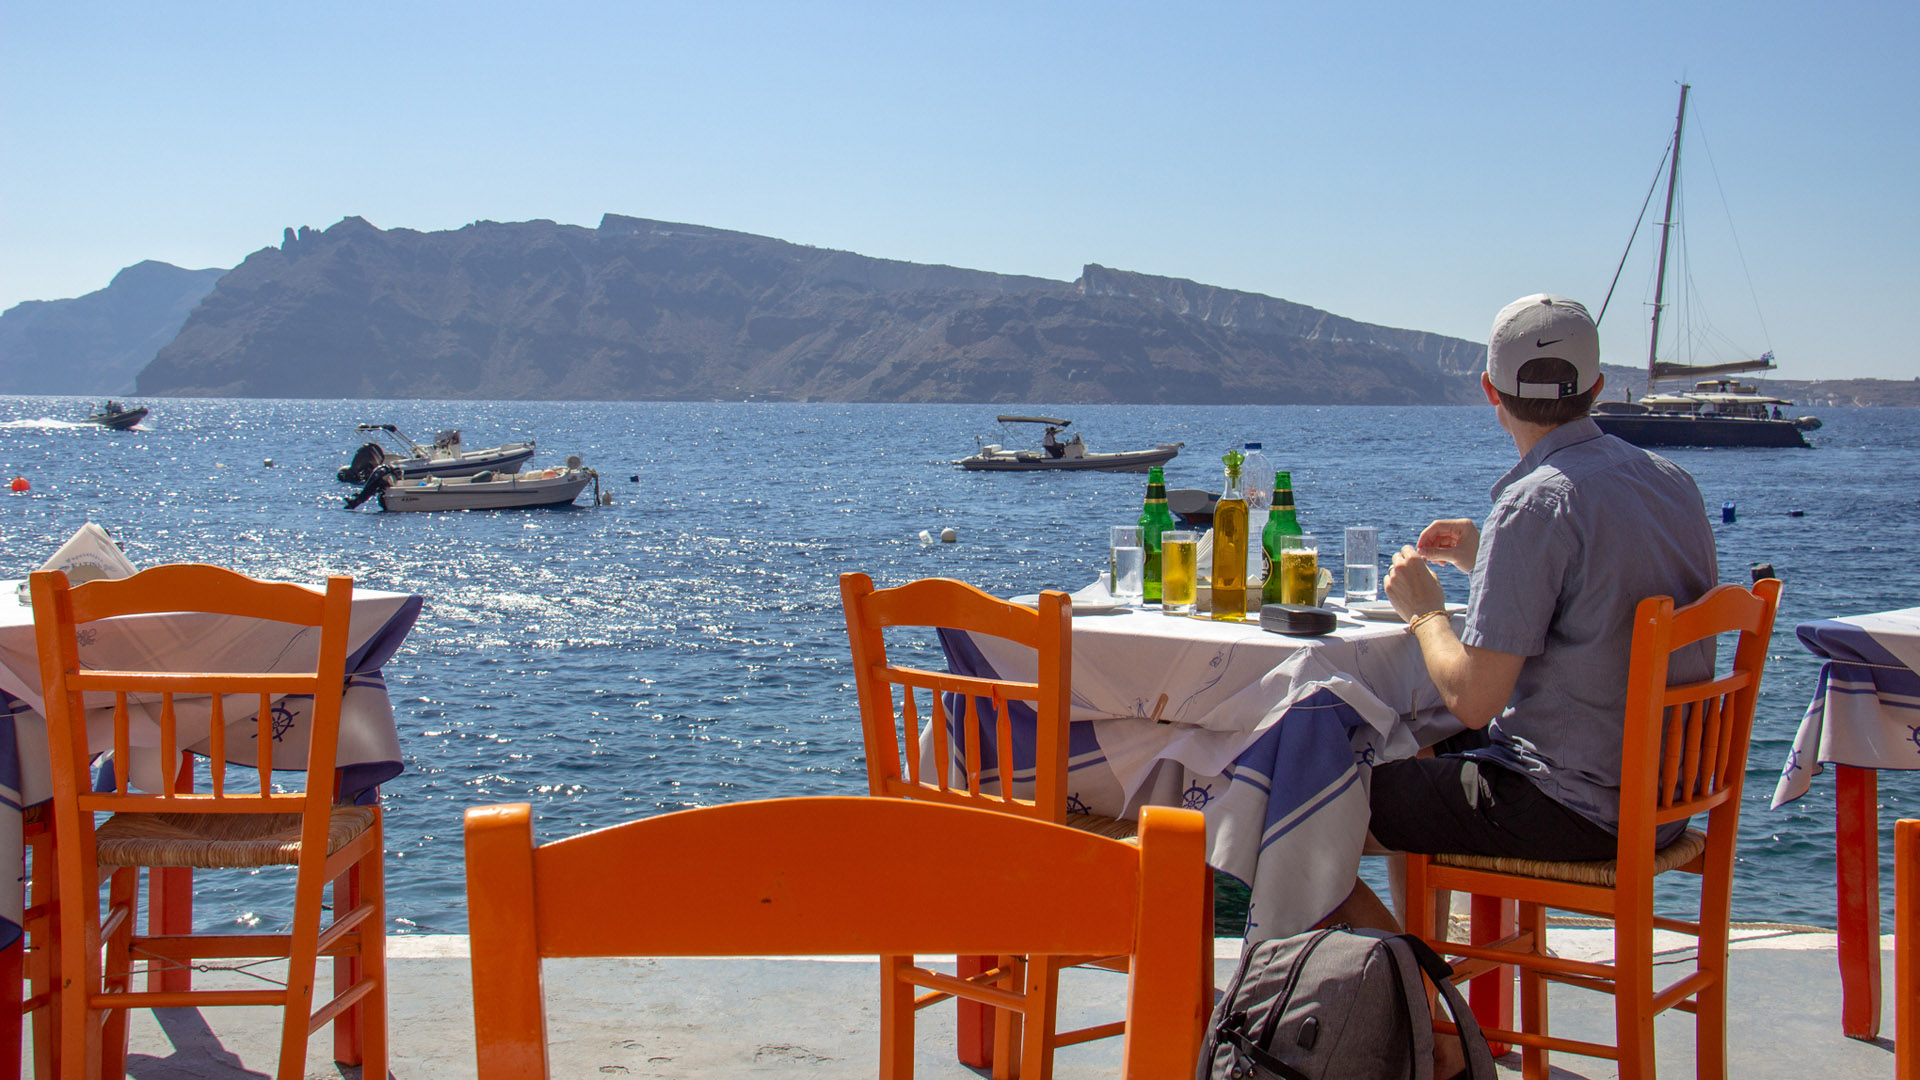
(1543, 325)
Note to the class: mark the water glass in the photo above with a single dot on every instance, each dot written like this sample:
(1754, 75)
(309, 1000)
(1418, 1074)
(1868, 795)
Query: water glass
(1300, 570)
(1179, 571)
(1121, 536)
(1363, 564)
(1129, 574)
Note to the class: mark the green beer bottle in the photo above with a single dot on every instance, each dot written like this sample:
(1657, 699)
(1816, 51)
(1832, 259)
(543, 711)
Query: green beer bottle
(1282, 527)
(1155, 519)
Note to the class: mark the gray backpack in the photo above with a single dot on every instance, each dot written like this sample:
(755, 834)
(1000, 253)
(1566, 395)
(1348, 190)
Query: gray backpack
(1336, 1004)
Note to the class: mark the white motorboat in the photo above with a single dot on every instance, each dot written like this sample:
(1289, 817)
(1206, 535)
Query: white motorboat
(119, 417)
(480, 491)
(446, 457)
(1070, 456)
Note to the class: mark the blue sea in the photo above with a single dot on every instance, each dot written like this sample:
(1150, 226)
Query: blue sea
(684, 646)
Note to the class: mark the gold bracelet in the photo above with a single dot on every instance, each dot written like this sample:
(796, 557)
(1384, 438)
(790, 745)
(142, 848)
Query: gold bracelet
(1413, 624)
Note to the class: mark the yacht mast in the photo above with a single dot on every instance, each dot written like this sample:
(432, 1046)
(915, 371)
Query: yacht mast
(1666, 228)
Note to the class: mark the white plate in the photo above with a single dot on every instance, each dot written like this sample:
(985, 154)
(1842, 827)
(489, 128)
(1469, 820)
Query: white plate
(1382, 610)
(1080, 607)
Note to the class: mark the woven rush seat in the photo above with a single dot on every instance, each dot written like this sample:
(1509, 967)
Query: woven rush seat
(215, 841)
(1679, 853)
(1111, 828)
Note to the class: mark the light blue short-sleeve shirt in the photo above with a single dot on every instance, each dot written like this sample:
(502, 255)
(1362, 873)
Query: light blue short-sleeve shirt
(1582, 530)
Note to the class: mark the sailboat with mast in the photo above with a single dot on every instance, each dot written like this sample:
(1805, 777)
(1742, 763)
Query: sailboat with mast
(1718, 411)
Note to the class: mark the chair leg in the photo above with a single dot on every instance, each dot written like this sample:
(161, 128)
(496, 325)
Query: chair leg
(1011, 1029)
(896, 1019)
(349, 1046)
(1533, 995)
(78, 970)
(1716, 917)
(1206, 971)
(1633, 985)
(42, 965)
(1491, 995)
(1424, 919)
(1043, 999)
(302, 963)
(13, 1003)
(975, 1023)
(170, 903)
(372, 1009)
(123, 893)
(43, 954)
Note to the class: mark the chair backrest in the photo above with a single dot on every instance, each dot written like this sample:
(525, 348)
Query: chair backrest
(834, 876)
(891, 725)
(1685, 746)
(61, 612)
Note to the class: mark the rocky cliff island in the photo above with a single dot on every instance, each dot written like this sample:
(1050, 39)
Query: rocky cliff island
(95, 344)
(639, 309)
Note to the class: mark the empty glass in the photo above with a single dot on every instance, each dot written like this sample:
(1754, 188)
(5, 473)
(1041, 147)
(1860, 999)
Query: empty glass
(1363, 564)
(1120, 536)
(1129, 574)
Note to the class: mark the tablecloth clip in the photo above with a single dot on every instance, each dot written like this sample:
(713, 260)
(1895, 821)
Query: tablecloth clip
(1157, 706)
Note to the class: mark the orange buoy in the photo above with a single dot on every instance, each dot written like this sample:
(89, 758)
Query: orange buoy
(20, 484)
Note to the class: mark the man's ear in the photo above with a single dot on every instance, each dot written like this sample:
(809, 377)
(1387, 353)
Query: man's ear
(1486, 385)
(1599, 384)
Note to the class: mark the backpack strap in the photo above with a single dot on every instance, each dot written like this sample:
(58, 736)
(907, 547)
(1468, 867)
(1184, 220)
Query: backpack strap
(1243, 1044)
(1479, 1056)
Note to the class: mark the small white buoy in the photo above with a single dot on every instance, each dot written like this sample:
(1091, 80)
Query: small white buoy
(925, 536)
(948, 535)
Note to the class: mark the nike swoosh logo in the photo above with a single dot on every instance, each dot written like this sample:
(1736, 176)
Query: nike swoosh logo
(1538, 344)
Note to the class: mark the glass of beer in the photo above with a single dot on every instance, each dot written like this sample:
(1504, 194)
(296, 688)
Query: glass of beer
(1179, 571)
(1300, 571)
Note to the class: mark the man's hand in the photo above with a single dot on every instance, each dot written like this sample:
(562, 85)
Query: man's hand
(1411, 586)
(1453, 540)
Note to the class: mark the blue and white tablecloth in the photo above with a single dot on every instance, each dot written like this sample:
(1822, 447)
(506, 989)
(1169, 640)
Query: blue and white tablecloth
(1271, 737)
(1866, 709)
(369, 746)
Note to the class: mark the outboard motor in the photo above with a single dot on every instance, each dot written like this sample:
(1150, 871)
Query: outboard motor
(365, 460)
(377, 482)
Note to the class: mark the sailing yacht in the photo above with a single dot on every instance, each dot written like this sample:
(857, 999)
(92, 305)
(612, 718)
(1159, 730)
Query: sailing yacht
(1718, 411)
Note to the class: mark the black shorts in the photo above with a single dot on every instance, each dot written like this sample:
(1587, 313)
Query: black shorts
(1457, 805)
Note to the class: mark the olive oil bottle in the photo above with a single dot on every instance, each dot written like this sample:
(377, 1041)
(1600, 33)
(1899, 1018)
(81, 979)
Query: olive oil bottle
(1230, 545)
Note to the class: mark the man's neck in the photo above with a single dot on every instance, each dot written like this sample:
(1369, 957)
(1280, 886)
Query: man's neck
(1526, 436)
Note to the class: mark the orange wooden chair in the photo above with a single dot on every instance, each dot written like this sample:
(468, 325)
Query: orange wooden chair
(1025, 1038)
(1906, 950)
(1684, 754)
(218, 828)
(833, 876)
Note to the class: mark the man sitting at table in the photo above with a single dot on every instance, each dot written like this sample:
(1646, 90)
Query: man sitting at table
(1582, 529)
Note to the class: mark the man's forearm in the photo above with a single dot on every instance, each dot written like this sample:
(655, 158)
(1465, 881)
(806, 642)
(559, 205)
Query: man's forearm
(1474, 684)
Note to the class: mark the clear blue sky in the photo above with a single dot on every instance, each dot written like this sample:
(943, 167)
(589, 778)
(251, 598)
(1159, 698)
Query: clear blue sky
(1415, 164)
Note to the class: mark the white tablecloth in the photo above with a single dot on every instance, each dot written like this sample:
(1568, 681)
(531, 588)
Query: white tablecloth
(369, 746)
(1271, 737)
(1866, 709)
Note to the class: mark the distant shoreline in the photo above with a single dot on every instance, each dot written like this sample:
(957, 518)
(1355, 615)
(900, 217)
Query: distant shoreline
(1812, 394)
